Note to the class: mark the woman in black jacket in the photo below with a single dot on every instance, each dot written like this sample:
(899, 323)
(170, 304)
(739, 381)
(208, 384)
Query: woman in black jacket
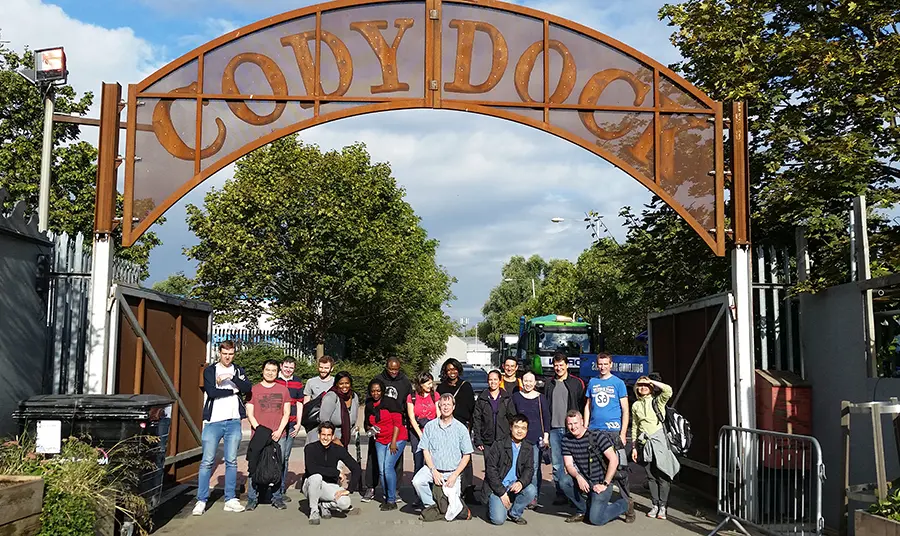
(493, 411)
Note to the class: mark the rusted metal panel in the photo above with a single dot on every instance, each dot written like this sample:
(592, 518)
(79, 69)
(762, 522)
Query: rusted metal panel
(178, 330)
(678, 335)
(349, 57)
(107, 157)
(740, 173)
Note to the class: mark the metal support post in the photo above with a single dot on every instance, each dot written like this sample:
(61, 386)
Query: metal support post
(46, 159)
(864, 273)
(97, 381)
(98, 341)
(743, 336)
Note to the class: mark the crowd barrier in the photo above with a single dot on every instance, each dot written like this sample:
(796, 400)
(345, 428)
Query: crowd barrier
(770, 481)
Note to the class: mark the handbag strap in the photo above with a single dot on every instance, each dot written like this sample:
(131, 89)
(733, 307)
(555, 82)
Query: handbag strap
(541, 413)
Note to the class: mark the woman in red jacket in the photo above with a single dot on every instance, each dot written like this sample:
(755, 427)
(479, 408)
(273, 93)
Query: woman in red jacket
(384, 422)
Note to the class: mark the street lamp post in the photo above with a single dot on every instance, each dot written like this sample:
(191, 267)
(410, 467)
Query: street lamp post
(594, 221)
(533, 294)
(49, 71)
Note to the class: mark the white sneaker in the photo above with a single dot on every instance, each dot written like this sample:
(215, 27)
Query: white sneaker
(199, 509)
(233, 505)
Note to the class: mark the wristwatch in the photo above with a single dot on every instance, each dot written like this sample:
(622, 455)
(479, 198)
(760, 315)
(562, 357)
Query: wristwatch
(603, 483)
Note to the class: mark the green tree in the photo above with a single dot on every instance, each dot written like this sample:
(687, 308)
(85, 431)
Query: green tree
(511, 299)
(326, 243)
(666, 261)
(610, 296)
(177, 284)
(822, 80)
(74, 167)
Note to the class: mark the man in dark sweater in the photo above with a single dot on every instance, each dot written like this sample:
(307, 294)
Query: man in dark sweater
(321, 482)
(397, 386)
(564, 393)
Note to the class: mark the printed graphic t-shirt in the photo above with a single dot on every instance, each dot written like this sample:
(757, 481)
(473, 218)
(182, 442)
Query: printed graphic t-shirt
(268, 404)
(425, 405)
(606, 410)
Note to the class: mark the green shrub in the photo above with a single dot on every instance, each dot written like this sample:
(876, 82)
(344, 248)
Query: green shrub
(889, 507)
(77, 487)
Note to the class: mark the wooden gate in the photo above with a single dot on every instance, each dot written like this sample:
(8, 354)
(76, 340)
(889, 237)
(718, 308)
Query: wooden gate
(178, 330)
(691, 348)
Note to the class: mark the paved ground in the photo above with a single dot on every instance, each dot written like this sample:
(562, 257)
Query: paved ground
(686, 518)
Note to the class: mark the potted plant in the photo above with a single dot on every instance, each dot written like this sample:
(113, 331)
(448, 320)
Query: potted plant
(882, 518)
(73, 492)
(21, 498)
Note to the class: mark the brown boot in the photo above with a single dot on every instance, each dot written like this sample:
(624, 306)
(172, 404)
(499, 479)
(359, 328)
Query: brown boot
(629, 514)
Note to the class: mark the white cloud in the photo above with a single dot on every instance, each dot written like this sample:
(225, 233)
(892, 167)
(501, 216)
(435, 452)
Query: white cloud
(212, 28)
(94, 54)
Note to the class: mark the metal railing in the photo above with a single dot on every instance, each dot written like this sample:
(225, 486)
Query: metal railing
(771, 481)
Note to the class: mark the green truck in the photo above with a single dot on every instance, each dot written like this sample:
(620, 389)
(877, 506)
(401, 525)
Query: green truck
(542, 336)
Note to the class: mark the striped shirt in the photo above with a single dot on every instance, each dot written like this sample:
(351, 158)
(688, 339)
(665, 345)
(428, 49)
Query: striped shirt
(295, 388)
(446, 443)
(593, 468)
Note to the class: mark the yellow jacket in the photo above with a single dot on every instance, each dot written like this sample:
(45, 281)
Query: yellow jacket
(643, 418)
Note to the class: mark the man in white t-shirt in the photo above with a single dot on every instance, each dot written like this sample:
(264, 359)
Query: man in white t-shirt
(223, 383)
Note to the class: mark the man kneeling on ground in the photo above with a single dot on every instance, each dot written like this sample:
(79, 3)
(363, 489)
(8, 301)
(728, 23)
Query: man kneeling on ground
(447, 448)
(321, 482)
(508, 464)
(591, 460)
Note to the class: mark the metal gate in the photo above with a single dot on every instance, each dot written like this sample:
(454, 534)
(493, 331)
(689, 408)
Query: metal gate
(691, 347)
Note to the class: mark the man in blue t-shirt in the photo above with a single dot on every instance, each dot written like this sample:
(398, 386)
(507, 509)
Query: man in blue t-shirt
(607, 408)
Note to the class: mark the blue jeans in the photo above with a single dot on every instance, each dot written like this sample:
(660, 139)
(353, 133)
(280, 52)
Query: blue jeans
(286, 454)
(597, 506)
(497, 512)
(277, 494)
(538, 477)
(213, 432)
(556, 459)
(388, 475)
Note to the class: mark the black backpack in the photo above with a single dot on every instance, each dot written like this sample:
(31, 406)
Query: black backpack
(310, 417)
(676, 428)
(595, 452)
(269, 467)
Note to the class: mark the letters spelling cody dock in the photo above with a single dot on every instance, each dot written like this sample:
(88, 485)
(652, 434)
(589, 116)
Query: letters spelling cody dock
(318, 64)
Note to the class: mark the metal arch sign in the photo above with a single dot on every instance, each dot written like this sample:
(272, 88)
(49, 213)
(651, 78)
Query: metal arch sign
(286, 73)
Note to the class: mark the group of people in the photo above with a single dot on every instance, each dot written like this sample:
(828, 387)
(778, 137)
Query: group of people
(580, 430)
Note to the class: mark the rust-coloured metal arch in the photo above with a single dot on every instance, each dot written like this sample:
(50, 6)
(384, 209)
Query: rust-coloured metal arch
(344, 58)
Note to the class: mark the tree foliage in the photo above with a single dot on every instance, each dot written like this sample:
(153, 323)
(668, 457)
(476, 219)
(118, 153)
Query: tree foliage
(329, 243)
(74, 167)
(597, 288)
(822, 80)
(177, 284)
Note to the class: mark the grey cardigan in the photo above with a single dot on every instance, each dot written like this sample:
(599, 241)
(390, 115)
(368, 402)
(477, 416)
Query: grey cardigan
(330, 410)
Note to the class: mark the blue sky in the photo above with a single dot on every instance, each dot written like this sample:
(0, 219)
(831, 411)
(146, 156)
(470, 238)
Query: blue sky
(484, 187)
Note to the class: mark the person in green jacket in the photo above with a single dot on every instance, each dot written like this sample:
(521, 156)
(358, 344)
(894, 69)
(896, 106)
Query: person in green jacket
(650, 447)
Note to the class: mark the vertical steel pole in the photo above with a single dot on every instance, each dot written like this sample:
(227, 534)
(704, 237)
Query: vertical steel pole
(741, 270)
(46, 158)
(98, 355)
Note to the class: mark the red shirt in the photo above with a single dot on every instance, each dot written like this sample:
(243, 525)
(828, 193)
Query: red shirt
(425, 406)
(386, 421)
(295, 388)
(268, 404)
